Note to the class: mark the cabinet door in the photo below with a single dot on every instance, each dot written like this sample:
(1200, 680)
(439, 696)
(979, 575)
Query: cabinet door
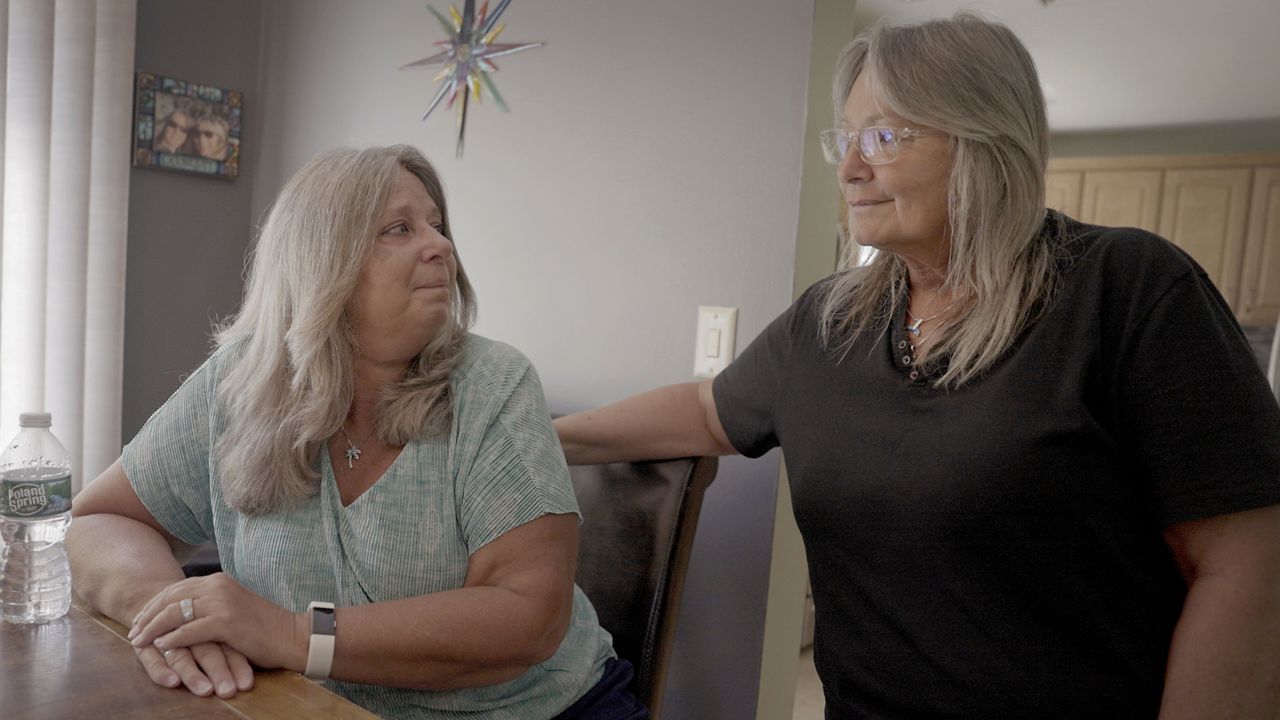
(1260, 287)
(1204, 211)
(1062, 191)
(1121, 198)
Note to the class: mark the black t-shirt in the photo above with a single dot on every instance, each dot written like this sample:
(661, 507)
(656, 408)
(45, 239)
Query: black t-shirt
(996, 550)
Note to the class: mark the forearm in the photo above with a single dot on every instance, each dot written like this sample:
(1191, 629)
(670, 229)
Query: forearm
(459, 638)
(668, 422)
(118, 564)
(513, 611)
(1223, 662)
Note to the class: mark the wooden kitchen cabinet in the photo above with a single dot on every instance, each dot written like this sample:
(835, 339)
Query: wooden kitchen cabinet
(1260, 284)
(1224, 210)
(1122, 198)
(1062, 191)
(1205, 212)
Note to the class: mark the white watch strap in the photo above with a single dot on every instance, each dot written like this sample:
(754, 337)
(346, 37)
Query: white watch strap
(320, 650)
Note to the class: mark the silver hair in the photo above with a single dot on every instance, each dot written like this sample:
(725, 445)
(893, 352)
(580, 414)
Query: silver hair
(290, 384)
(974, 80)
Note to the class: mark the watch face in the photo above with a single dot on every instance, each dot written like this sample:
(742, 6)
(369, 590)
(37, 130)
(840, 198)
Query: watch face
(322, 621)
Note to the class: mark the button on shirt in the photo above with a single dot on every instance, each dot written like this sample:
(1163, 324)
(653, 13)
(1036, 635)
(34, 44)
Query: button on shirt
(904, 351)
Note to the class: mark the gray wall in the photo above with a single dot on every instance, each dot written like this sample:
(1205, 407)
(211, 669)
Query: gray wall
(187, 233)
(1240, 137)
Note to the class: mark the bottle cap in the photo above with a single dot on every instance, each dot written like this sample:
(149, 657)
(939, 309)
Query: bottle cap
(35, 419)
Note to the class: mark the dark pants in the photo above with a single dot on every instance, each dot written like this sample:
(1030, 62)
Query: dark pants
(609, 699)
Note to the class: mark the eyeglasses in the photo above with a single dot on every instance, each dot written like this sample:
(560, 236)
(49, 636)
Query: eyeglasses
(878, 145)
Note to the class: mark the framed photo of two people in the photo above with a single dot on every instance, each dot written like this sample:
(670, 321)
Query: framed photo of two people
(186, 126)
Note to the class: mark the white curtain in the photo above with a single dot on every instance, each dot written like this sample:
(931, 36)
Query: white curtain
(66, 109)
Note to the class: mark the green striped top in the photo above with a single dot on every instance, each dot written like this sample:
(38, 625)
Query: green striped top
(499, 467)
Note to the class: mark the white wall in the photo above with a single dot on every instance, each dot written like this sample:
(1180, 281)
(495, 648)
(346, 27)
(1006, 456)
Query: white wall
(651, 163)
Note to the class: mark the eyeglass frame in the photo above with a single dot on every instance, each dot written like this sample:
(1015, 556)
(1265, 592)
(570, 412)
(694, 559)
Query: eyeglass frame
(855, 140)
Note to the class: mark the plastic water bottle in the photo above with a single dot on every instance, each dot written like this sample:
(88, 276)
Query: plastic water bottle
(35, 510)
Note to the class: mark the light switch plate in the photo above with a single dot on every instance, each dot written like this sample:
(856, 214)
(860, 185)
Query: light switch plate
(707, 359)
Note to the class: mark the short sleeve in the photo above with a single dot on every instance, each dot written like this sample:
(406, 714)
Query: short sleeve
(1196, 413)
(518, 473)
(167, 462)
(746, 392)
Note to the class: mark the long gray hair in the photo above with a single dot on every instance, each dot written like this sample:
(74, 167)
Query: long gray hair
(291, 382)
(972, 79)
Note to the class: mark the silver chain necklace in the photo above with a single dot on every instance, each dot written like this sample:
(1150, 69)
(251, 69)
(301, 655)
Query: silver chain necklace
(353, 451)
(914, 327)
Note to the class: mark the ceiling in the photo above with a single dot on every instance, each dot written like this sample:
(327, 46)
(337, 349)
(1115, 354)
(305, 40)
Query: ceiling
(1120, 64)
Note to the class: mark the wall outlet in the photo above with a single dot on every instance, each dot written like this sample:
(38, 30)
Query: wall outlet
(715, 343)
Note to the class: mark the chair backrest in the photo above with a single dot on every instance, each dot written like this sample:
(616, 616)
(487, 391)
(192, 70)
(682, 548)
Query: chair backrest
(638, 522)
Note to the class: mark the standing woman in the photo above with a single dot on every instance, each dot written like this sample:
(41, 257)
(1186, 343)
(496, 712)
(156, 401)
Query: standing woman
(392, 510)
(1034, 462)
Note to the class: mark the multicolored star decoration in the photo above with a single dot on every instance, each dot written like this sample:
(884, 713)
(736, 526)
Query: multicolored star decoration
(468, 58)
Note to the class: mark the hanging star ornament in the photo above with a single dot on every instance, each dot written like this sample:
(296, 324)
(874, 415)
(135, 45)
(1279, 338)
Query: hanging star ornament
(467, 58)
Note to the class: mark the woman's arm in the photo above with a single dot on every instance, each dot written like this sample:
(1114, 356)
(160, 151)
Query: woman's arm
(512, 612)
(1225, 658)
(121, 560)
(669, 422)
(120, 555)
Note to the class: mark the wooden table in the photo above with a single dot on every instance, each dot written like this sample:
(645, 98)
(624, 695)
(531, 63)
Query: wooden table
(82, 666)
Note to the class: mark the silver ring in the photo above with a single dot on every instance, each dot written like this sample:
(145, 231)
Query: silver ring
(188, 608)
(169, 653)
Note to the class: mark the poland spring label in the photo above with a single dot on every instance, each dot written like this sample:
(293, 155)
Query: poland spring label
(34, 499)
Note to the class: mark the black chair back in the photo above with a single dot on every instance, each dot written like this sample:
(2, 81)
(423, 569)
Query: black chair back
(636, 537)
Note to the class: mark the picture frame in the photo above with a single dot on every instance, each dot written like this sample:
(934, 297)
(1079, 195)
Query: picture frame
(186, 126)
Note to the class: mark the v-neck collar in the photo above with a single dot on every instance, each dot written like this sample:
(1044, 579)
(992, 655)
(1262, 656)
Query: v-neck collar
(330, 478)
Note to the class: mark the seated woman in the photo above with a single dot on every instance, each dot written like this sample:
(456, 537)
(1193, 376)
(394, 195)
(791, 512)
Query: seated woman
(349, 442)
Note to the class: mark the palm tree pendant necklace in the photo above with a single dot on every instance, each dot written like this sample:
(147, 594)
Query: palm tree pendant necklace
(353, 451)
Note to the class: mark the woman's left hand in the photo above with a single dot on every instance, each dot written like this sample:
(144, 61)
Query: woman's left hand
(204, 669)
(222, 610)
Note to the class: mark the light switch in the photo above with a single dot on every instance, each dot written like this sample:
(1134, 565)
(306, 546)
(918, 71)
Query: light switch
(714, 343)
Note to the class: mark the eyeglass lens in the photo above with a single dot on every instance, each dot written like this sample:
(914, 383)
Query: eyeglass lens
(876, 145)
